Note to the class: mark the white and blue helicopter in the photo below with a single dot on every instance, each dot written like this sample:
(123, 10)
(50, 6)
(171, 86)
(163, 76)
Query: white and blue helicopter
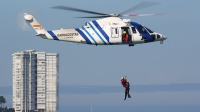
(107, 30)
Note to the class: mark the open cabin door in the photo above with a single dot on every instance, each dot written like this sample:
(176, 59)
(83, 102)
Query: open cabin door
(126, 35)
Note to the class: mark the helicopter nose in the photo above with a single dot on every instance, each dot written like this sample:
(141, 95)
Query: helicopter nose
(165, 37)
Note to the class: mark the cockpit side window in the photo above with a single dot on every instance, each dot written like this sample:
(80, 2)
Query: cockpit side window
(142, 30)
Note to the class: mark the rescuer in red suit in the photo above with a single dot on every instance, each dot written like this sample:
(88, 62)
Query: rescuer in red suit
(126, 86)
(125, 36)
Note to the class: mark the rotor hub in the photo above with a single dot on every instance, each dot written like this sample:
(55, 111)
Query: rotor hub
(114, 15)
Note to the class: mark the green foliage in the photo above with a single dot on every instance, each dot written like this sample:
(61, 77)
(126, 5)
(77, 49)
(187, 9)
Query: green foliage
(7, 109)
(10, 110)
(2, 100)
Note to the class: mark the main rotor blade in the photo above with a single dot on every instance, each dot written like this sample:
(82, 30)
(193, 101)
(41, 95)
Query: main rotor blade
(156, 14)
(94, 16)
(140, 6)
(78, 10)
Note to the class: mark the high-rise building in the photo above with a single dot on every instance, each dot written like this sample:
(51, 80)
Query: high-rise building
(47, 84)
(35, 81)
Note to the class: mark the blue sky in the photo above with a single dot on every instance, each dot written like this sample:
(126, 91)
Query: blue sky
(90, 75)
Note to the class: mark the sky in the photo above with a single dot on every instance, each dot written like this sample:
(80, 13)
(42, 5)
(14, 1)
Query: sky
(163, 77)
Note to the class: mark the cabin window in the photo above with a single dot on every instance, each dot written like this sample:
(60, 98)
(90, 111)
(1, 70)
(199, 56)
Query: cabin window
(114, 32)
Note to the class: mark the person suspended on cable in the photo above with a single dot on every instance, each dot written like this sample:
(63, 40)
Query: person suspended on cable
(126, 85)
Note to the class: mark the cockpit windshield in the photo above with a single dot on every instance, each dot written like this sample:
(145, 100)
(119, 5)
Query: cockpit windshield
(150, 31)
(142, 30)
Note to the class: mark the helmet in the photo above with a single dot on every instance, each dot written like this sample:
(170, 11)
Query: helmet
(124, 32)
(122, 78)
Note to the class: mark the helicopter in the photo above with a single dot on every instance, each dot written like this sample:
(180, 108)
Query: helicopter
(108, 29)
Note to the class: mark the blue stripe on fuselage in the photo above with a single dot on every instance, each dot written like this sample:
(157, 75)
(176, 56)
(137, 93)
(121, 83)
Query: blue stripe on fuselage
(53, 35)
(83, 35)
(97, 33)
(89, 35)
(101, 30)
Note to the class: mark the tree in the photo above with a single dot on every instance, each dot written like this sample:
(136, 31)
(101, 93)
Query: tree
(2, 100)
(9, 110)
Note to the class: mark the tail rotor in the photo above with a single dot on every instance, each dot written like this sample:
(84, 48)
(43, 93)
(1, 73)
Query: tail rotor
(22, 23)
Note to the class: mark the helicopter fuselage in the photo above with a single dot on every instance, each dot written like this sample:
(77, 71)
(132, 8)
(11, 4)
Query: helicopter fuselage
(105, 31)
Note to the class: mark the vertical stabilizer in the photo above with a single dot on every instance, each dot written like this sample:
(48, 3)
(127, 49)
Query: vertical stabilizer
(35, 24)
